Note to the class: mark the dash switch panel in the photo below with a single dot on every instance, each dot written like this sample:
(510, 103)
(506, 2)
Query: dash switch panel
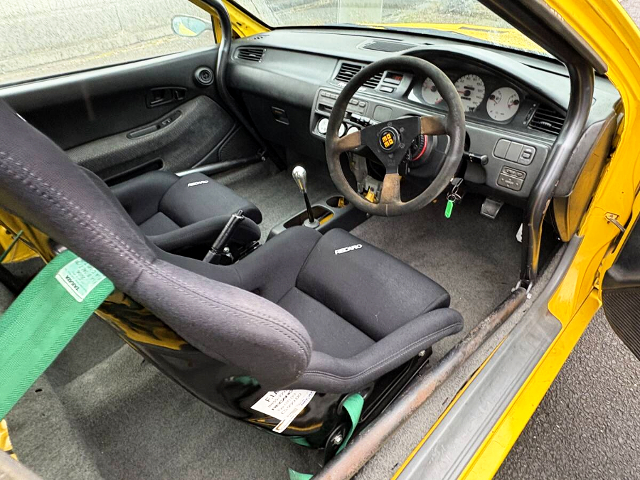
(514, 152)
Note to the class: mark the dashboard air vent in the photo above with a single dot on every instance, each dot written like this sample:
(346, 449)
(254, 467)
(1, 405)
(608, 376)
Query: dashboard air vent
(349, 70)
(251, 54)
(387, 46)
(547, 120)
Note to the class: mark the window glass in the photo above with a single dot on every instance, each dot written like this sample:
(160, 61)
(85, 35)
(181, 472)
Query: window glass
(41, 38)
(468, 18)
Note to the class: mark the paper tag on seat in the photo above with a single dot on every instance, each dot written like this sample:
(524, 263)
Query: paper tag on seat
(285, 405)
(79, 278)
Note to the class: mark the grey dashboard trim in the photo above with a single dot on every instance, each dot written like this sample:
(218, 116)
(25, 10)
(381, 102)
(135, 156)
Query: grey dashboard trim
(310, 57)
(552, 87)
(455, 440)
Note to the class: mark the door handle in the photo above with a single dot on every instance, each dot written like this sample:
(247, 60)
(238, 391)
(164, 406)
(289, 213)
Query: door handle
(164, 95)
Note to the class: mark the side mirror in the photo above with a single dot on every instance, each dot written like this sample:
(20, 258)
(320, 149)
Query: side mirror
(188, 26)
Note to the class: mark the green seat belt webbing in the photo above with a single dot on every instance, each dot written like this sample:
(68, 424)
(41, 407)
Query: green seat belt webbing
(353, 405)
(43, 319)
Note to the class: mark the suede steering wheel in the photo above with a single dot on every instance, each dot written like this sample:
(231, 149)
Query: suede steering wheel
(391, 140)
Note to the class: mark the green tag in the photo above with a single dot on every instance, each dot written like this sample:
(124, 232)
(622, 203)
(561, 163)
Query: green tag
(448, 209)
(42, 321)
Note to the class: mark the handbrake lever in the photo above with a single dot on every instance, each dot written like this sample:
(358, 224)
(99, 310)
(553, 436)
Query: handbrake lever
(216, 252)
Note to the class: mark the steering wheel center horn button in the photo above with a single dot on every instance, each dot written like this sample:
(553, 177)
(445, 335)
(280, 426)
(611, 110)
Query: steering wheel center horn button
(389, 139)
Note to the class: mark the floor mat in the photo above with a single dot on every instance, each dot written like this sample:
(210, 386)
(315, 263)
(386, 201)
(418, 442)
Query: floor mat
(474, 258)
(123, 419)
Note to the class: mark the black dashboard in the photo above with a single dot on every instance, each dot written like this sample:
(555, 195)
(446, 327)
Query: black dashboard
(515, 103)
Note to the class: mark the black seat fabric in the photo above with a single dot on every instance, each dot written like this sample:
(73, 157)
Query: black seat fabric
(180, 212)
(363, 309)
(327, 313)
(370, 289)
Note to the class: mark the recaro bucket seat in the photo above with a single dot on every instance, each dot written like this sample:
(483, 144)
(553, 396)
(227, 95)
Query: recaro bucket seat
(328, 313)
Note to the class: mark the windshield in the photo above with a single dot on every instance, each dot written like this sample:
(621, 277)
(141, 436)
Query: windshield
(463, 17)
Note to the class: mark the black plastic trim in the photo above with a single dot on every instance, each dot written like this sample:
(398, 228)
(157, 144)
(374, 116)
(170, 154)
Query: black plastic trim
(582, 87)
(222, 62)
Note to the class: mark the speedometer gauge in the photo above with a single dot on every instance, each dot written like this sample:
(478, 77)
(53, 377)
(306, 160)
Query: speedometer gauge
(503, 104)
(430, 92)
(471, 90)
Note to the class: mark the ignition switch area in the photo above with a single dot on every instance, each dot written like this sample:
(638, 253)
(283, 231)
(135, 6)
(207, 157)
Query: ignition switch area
(420, 151)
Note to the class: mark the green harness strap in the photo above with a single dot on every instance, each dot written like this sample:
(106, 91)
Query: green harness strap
(353, 405)
(42, 321)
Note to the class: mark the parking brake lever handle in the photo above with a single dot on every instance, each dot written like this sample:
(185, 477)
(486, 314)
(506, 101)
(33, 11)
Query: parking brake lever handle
(216, 252)
(299, 175)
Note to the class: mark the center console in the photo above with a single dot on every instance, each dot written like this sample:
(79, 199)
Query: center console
(335, 212)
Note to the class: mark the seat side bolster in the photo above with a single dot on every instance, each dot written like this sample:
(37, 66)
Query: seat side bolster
(196, 197)
(273, 268)
(227, 322)
(328, 374)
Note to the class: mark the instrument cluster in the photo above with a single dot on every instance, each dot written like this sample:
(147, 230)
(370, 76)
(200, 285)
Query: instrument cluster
(481, 95)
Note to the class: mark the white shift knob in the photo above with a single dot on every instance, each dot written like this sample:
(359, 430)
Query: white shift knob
(299, 174)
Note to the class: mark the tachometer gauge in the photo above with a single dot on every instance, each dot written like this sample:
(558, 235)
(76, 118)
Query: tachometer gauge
(430, 92)
(503, 104)
(471, 90)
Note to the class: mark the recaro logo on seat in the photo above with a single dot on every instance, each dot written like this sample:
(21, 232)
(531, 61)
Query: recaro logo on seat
(195, 184)
(348, 249)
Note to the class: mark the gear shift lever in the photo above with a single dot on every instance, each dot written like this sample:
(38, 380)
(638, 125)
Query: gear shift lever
(299, 174)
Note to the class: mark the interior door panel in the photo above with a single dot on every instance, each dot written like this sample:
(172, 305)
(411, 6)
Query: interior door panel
(124, 120)
(179, 139)
(621, 293)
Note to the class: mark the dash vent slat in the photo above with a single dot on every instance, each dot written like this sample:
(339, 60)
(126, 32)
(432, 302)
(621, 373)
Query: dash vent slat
(547, 120)
(251, 54)
(349, 70)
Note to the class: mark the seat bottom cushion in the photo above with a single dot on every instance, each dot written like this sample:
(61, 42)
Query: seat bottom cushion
(369, 288)
(158, 224)
(329, 333)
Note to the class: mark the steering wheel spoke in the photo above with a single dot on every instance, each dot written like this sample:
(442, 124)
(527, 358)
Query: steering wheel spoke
(349, 142)
(432, 126)
(390, 193)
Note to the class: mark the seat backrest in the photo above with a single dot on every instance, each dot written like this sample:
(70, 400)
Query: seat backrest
(40, 184)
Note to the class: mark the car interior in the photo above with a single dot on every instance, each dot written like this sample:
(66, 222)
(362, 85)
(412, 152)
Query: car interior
(334, 212)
